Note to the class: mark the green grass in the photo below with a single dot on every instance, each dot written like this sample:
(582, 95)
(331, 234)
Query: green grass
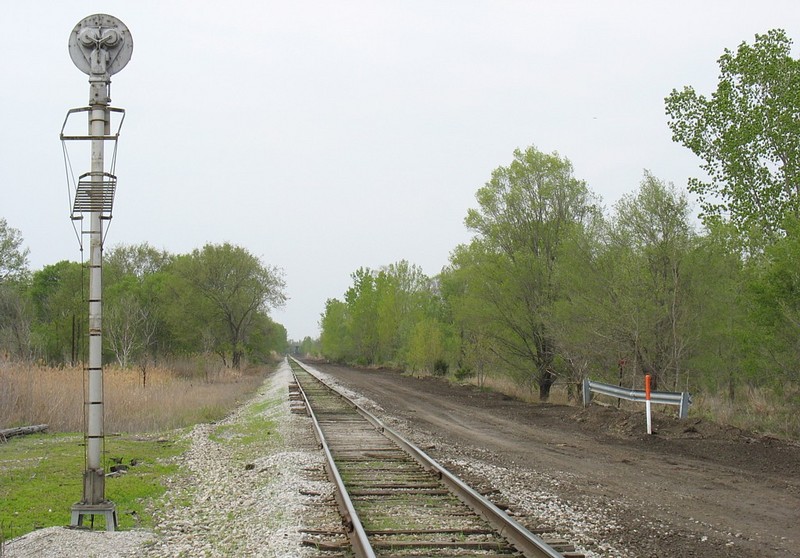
(253, 432)
(42, 478)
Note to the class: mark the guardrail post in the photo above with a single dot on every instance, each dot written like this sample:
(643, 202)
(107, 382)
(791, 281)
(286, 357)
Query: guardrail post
(587, 392)
(683, 410)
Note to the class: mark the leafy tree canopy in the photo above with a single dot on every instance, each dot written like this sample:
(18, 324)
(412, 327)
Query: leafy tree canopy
(238, 289)
(13, 257)
(748, 136)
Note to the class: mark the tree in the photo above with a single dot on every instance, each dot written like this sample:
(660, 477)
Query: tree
(265, 337)
(15, 323)
(237, 288)
(748, 136)
(362, 310)
(56, 293)
(403, 292)
(335, 340)
(727, 339)
(13, 258)
(15, 316)
(379, 316)
(652, 226)
(426, 345)
(130, 327)
(138, 260)
(775, 288)
(309, 347)
(131, 312)
(526, 212)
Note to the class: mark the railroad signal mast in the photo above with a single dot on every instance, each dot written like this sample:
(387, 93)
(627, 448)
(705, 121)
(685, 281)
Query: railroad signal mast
(100, 45)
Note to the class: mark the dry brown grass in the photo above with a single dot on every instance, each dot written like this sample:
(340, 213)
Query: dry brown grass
(508, 386)
(183, 394)
(755, 409)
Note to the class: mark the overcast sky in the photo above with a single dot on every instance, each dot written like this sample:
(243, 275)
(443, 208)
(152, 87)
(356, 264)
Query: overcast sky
(330, 135)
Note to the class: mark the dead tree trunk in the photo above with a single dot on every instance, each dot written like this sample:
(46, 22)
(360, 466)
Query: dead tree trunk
(21, 431)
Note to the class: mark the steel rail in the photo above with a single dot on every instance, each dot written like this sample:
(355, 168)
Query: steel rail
(355, 530)
(523, 540)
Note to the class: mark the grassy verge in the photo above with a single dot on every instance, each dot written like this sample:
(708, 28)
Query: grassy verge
(42, 478)
(255, 430)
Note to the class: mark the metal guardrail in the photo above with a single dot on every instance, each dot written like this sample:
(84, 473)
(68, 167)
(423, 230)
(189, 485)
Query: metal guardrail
(682, 399)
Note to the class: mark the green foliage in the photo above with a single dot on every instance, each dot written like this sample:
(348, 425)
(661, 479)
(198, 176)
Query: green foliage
(335, 340)
(13, 257)
(651, 232)
(440, 367)
(426, 349)
(362, 304)
(57, 297)
(389, 316)
(775, 291)
(308, 346)
(724, 337)
(748, 136)
(136, 260)
(223, 293)
(527, 213)
(214, 300)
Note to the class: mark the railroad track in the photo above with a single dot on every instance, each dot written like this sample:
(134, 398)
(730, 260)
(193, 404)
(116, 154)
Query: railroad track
(398, 502)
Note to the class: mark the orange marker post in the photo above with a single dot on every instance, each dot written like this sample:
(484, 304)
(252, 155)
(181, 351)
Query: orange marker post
(647, 402)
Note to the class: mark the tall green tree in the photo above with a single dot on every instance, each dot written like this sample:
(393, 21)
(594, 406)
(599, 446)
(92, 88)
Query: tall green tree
(237, 288)
(335, 339)
(727, 339)
(379, 319)
(747, 134)
(652, 227)
(526, 212)
(137, 260)
(403, 294)
(775, 290)
(132, 313)
(362, 309)
(13, 256)
(60, 311)
(15, 315)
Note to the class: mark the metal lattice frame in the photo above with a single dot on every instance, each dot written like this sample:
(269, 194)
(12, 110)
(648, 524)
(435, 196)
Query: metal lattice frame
(95, 195)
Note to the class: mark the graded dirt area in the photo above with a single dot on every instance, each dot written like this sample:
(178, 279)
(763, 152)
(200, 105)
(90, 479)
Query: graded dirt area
(693, 488)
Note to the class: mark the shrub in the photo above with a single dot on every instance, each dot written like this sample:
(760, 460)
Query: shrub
(440, 367)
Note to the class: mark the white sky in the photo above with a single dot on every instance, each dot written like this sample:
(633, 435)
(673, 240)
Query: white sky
(325, 136)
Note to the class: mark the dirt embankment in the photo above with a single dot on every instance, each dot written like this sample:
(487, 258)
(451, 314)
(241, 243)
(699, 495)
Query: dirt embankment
(694, 488)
